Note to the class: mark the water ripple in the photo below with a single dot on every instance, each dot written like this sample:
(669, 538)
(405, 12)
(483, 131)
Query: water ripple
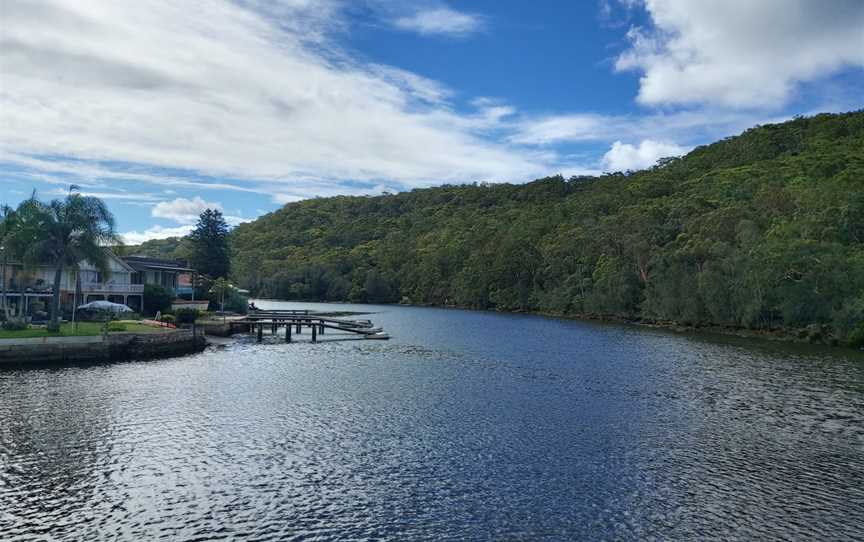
(466, 426)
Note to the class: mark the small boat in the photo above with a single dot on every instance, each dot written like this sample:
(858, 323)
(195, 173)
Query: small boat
(380, 336)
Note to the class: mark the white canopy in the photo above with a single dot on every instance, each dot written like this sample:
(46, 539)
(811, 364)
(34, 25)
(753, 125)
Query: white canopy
(105, 306)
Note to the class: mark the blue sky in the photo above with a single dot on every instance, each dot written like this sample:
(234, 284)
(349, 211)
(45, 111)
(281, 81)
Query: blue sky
(164, 108)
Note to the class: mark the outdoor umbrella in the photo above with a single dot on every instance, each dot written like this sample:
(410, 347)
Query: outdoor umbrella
(105, 306)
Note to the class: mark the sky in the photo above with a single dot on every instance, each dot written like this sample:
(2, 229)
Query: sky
(166, 108)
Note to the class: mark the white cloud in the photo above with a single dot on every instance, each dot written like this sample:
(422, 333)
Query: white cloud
(686, 125)
(144, 199)
(156, 232)
(160, 232)
(227, 89)
(415, 85)
(182, 210)
(558, 128)
(66, 171)
(741, 53)
(624, 156)
(440, 21)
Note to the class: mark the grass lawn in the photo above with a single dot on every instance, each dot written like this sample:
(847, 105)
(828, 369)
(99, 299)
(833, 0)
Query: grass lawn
(84, 329)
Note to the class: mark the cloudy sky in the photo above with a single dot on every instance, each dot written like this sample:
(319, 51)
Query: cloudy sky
(164, 108)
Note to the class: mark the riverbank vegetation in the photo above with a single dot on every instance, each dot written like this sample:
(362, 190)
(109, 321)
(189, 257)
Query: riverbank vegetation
(762, 231)
(207, 250)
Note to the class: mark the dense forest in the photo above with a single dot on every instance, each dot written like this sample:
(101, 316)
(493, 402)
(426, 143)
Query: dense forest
(764, 230)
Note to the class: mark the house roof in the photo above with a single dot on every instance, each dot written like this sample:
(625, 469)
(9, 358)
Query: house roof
(110, 253)
(119, 260)
(140, 263)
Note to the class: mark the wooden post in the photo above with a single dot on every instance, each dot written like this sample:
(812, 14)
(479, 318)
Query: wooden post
(260, 333)
(299, 327)
(314, 333)
(274, 327)
(321, 327)
(288, 333)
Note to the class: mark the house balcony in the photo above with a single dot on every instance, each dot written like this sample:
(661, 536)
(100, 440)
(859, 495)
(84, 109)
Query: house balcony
(109, 288)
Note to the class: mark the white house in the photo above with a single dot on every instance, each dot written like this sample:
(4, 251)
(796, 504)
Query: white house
(37, 283)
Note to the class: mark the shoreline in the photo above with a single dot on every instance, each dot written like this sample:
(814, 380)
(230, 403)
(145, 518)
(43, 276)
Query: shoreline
(44, 351)
(815, 335)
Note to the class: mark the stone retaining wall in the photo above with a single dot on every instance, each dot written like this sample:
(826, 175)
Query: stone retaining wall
(118, 346)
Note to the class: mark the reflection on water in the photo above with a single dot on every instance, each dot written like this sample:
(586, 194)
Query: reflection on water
(464, 426)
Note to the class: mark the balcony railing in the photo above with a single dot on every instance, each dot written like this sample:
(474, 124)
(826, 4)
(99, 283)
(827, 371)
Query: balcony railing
(13, 286)
(108, 288)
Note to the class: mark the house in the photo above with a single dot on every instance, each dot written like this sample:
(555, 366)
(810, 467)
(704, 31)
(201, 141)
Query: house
(174, 275)
(32, 285)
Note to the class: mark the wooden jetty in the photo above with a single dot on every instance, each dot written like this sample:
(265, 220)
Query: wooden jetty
(293, 322)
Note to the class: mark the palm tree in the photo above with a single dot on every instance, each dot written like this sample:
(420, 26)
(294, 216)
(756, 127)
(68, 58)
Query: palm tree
(9, 228)
(71, 230)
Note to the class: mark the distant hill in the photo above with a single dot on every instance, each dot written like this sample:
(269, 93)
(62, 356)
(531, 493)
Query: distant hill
(761, 230)
(172, 248)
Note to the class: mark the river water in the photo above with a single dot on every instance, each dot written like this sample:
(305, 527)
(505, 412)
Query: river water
(464, 426)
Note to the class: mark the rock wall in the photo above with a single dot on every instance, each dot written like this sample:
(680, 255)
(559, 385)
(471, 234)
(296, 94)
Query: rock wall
(117, 347)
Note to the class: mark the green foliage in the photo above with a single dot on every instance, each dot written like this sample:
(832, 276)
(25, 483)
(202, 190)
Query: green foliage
(157, 299)
(761, 230)
(236, 302)
(15, 325)
(168, 318)
(117, 326)
(224, 294)
(187, 316)
(208, 243)
(856, 337)
(172, 248)
(63, 233)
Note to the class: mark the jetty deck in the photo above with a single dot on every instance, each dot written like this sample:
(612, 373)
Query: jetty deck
(292, 323)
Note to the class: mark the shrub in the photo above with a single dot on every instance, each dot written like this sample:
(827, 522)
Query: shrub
(237, 302)
(168, 318)
(856, 337)
(117, 326)
(186, 316)
(156, 299)
(15, 325)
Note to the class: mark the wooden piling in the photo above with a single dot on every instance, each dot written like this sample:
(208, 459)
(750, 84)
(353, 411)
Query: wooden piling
(294, 321)
(260, 333)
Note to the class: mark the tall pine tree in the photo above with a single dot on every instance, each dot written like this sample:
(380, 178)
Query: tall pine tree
(210, 254)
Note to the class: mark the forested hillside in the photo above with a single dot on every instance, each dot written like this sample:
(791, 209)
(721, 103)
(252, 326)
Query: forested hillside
(760, 230)
(172, 248)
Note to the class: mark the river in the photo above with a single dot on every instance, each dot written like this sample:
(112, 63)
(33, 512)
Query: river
(464, 426)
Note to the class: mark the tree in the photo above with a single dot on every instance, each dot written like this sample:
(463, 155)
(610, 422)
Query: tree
(227, 295)
(18, 233)
(210, 254)
(760, 230)
(70, 231)
(220, 290)
(156, 299)
(9, 227)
